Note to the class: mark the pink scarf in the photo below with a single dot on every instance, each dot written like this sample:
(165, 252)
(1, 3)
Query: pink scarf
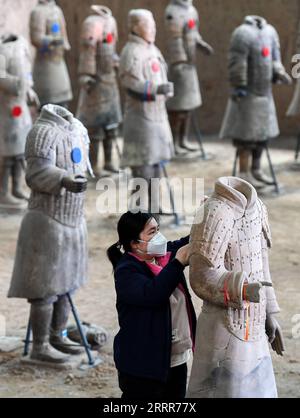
(155, 268)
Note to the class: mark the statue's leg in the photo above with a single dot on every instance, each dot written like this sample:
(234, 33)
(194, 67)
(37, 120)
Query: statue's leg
(6, 198)
(176, 126)
(17, 171)
(185, 131)
(244, 154)
(94, 152)
(148, 172)
(108, 143)
(58, 331)
(154, 190)
(245, 174)
(6, 166)
(257, 171)
(40, 318)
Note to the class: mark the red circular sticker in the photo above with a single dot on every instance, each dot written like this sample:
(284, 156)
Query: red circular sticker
(265, 52)
(16, 111)
(155, 67)
(109, 38)
(191, 23)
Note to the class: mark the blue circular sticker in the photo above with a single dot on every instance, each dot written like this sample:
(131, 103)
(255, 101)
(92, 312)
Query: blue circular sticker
(55, 28)
(76, 155)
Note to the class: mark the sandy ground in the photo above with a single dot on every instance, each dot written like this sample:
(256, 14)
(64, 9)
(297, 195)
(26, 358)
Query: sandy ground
(96, 302)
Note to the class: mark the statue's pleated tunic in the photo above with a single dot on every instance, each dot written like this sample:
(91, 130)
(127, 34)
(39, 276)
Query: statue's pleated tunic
(52, 253)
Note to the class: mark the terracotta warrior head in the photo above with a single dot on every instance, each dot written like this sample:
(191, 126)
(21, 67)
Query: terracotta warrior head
(141, 22)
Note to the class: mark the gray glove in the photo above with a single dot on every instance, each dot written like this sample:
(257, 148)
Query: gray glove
(252, 291)
(87, 81)
(274, 332)
(56, 42)
(165, 89)
(239, 93)
(76, 184)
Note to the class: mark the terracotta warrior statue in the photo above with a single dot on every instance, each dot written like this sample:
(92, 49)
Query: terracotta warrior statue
(51, 258)
(99, 107)
(294, 108)
(183, 41)
(251, 119)
(229, 271)
(49, 37)
(143, 74)
(15, 120)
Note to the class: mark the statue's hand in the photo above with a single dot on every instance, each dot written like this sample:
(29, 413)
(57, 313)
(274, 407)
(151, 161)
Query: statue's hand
(87, 82)
(206, 48)
(252, 291)
(283, 77)
(76, 184)
(57, 42)
(166, 89)
(239, 93)
(32, 98)
(274, 333)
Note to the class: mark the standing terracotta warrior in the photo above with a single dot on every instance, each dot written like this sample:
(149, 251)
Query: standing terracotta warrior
(183, 40)
(230, 272)
(49, 36)
(15, 120)
(99, 107)
(251, 119)
(294, 108)
(143, 73)
(51, 258)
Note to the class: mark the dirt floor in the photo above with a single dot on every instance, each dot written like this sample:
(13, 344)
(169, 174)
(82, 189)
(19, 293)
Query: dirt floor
(96, 302)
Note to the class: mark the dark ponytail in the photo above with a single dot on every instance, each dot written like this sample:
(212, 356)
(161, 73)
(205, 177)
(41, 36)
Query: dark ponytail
(130, 226)
(114, 254)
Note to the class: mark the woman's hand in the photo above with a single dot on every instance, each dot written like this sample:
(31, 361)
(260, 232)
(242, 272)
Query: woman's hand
(183, 255)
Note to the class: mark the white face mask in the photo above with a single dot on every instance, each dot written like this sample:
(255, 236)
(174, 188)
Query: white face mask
(157, 246)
